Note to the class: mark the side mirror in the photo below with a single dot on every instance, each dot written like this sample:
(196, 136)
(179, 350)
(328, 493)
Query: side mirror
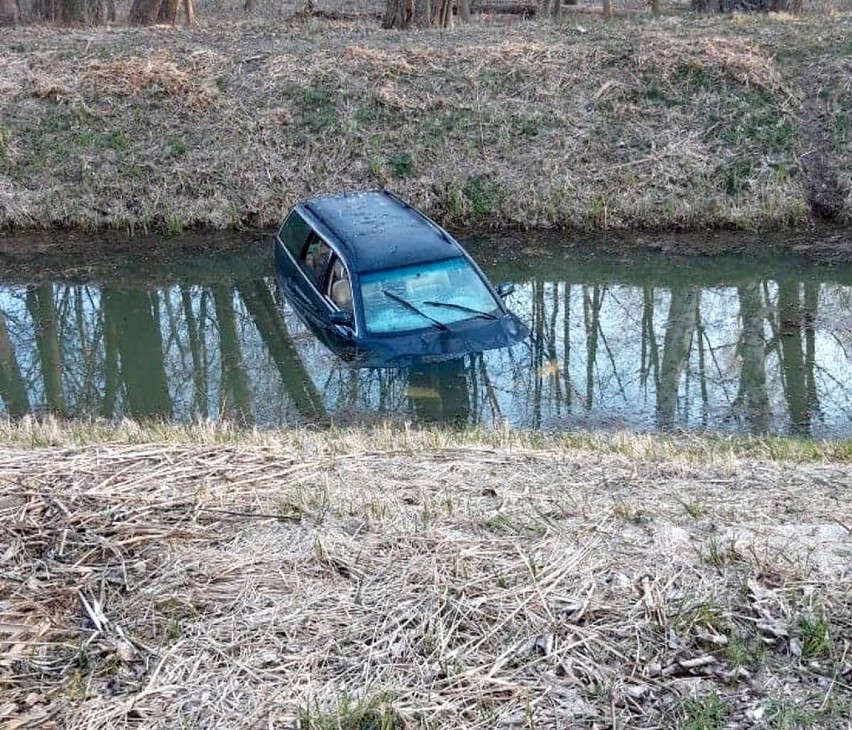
(340, 317)
(505, 288)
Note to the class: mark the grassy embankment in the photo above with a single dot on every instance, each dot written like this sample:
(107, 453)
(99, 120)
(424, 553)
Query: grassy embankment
(202, 577)
(678, 122)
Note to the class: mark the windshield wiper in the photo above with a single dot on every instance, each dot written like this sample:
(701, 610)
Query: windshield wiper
(408, 305)
(461, 307)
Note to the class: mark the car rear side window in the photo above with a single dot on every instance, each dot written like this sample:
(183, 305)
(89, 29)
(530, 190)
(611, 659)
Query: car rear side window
(294, 233)
(315, 261)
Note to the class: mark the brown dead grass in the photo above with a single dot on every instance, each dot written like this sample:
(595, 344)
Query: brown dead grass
(586, 126)
(726, 58)
(423, 578)
(129, 76)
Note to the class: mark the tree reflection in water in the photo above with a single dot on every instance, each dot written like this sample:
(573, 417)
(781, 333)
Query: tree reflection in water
(729, 351)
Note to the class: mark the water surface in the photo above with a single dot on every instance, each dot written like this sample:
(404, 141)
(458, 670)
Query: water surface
(647, 341)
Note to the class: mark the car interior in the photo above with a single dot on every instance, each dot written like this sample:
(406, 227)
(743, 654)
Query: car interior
(339, 286)
(316, 258)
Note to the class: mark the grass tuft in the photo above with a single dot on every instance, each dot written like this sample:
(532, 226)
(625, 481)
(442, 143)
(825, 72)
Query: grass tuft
(351, 714)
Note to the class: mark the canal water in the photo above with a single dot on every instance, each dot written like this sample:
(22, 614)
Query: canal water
(645, 342)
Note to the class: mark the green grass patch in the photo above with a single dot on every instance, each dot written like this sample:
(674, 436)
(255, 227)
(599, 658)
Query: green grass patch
(351, 714)
(484, 195)
(505, 79)
(745, 650)
(48, 144)
(816, 637)
(694, 78)
(172, 225)
(373, 112)
(755, 121)
(401, 165)
(177, 146)
(823, 711)
(102, 140)
(316, 107)
(468, 128)
(738, 175)
(704, 713)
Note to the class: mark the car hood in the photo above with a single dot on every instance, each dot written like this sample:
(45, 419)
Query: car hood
(432, 345)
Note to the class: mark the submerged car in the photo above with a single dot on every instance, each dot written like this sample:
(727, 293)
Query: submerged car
(379, 282)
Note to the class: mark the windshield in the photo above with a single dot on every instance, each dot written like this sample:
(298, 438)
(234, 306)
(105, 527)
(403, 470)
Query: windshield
(425, 295)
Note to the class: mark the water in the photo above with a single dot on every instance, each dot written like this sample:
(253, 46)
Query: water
(646, 342)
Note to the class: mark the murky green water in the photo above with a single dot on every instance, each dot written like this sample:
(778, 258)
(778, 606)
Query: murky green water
(646, 342)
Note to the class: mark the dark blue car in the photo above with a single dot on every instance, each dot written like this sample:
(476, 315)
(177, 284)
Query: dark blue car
(381, 283)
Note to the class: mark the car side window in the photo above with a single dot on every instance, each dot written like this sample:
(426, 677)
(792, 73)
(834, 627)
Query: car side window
(340, 286)
(315, 259)
(294, 233)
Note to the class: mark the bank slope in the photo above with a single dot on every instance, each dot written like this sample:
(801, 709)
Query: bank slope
(680, 122)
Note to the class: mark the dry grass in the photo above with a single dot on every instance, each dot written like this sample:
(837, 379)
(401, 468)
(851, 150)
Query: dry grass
(359, 579)
(588, 125)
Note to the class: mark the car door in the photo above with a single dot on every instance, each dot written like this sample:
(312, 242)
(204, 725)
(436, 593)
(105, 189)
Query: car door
(313, 265)
(300, 259)
(289, 245)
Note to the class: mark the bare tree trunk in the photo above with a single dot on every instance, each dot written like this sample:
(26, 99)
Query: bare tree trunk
(566, 345)
(45, 9)
(464, 10)
(751, 348)
(10, 13)
(655, 7)
(195, 335)
(676, 347)
(607, 8)
(650, 360)
(144, 12)
(140, 351)
(793, 361)
(272, 329)
(444, 9)
(112, 373)
(552, 8)
(42, 309)
(538, 357)
(85, 12)
(249, 6)
(234, 390)
(809, 313)
(405, 14)
(189, 10)
(168, 12)
(13, 390)
(592, 321)
(73, 11)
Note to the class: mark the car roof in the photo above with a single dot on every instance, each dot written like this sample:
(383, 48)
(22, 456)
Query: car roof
(376, 230)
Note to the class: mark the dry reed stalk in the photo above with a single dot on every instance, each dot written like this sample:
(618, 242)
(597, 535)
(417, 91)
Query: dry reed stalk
(419, 578)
